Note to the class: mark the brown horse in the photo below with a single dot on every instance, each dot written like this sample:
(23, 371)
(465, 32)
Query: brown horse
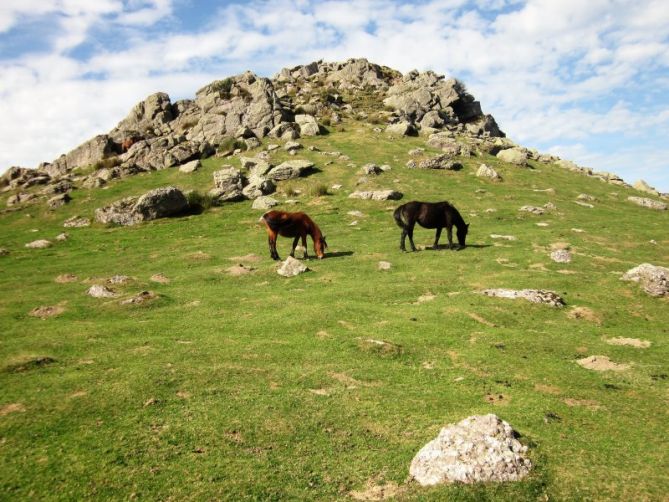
(296, 225)
(430, 215)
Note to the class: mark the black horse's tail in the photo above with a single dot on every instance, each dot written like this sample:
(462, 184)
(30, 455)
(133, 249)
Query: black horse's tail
(399, 217)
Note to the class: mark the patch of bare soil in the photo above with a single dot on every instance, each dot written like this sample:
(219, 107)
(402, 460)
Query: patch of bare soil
(374, 491)
(239, 270)
(547, 389)
(29, 363)
(160, 279)
(198, 255)
(587, 403)
(320, 392)
(427, 297)
(44, 312)
(250, 258)
(79, 393)
(585, 314)
(6, 409)
(632, 342)
(497, 399)
(601, 363)
(65, 278)
(480, 319)
(350, 382)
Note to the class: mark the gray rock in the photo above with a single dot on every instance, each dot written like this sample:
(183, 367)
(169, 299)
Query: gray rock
(258, 186)
(39, 244)
(517, 156)
(252, 143)
(228, 185)
(76, 222)
(531, 295)
(157, 203)
(255, 166)
(58, 200)
(292, 146)
(649, 203)
(401, 129)
(20, 198)
(62, 236)
(290, 169)
(292, 267)
(485, 171)
(100, 291)
(190, 167)
(654, 279)
(561, 256)
(371, 169)
(442, 161)
(533, 210)
(444, 141)
(264, 202)
(308, 125)
(479, 449)
(285, 131)
(377, 195)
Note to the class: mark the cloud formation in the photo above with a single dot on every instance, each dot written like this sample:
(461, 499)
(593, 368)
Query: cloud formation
(582, 79)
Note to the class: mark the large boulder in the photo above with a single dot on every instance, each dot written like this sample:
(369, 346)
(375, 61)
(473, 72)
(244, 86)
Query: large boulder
(308, 125)
(517, 156)
(290, 169)
(228, 185)
(88, 153)
(654, 279)
(157, 203)
(478, 449)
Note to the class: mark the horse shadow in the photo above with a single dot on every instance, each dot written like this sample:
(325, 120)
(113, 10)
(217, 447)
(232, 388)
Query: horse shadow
(338, 254)
(443, 247)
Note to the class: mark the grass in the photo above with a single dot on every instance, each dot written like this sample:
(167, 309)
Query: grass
(264, 388)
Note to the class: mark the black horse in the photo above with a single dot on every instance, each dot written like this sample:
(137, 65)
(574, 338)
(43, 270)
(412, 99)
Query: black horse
(430, 215)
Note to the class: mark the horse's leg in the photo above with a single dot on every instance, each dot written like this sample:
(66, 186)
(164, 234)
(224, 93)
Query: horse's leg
(304, 245)
(410, 234)
(271, 239)
(403, 239)
(292, 251)
(449, 233)
(436, 237)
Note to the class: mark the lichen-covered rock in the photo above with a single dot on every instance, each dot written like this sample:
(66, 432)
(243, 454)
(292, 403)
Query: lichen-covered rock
(478, 449)
(649, 203)
(531, 295)
(100, 291)
(76, 222)
(377, 195)
(654, 279)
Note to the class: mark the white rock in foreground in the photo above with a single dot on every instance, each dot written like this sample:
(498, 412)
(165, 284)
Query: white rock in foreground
(653, 279)
(291, 267)
(479, 449)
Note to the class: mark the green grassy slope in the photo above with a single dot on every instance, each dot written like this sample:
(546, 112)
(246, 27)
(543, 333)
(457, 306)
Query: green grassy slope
(261, 387)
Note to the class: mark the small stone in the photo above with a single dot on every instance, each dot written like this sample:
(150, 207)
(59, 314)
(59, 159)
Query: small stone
(292, 267)
(39, 244)
(62, 236)
(485, 171)
(99, 291)
(384, 265)
(561, 256)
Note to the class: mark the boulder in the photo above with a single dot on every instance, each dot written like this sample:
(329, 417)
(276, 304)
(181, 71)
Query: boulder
(377, 195)
(649, 203)
(517, 156)
(308, 125)
(485, 171)
(264, 203)
(401, 129)
(258, 186)
(228, 185)
(286, 131)
(76, 222)
(642, 186)
(190, 167)
(100, 291)
(531, 295)
(39, 244)
(653, 279)
(289, 170)
(292, 267)
(442, 161)
(478, 449)
(255, 166)
(157, 203)
(371, 169)
(58, 200)
(292, 146)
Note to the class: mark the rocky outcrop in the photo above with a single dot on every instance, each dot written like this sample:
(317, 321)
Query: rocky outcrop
(478, 449)
(158, 203)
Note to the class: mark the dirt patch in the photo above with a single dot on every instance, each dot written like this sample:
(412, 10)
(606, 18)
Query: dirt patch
(497, 399)
(320, 392)
(539, 267)
(547, 389)
(601, 363)
(321, 335)
(249, 258)
(631, 342)
(480, 319)
(381, 347)
(182, 394)
(587, 403)
(79, 393)
(65, 278)
(28, 363)
(427, 297)
(239, 270)
(6, 409)
(198, 255)
(375, 491)
(44, 312)
(160, 279)
(350, 382)
(585, 314)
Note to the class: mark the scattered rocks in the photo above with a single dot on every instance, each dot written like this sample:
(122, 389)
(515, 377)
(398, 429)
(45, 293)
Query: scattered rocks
(601, 363)
(292, 267)
(39, 244)
(649, 203)
(377, 195)
(531, 295)
(485, 171)
(653, 279)
(44, 312)
(631, 342)
(157, 203)
(190, 167)
(479, 449)
(264, 203)
(561, 256)
(76, 222)
(100, 291)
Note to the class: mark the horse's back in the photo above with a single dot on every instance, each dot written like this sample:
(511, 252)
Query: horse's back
(287, 224)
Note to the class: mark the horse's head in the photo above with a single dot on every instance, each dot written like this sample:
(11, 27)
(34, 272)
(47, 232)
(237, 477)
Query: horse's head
(462, 234)
(320, 246)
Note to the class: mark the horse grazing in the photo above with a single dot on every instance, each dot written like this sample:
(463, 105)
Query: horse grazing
(296, 225)
(430, 215)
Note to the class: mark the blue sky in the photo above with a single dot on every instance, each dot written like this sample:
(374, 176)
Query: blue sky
(588, 81)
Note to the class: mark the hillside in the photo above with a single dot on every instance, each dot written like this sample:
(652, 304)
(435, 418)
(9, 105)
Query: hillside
(228, 381)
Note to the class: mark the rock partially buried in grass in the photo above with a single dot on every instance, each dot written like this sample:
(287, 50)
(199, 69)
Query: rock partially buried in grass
(561, 256)
(533, 210)
(479, 449)
(99, 291)
(654, 279)
(264, 202)
(39, 244)
(601, 363)
(377, 195)
(140, 298)
(381, 347)
(649, 203)
(531, 295)
(76, 222)
(44, 312)
(159, 278)
(292, 267)
(385, 265)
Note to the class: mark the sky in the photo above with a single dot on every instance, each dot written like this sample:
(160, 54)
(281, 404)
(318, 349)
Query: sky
(585, 80)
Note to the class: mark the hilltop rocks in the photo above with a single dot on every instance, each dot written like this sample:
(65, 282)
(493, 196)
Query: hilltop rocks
(531, 295)
(649, 203)
(517, 156)
(478, 449)
(642, 186)
(377, 195)
(653, 279)
(96, 149)
(148, 116)
(157, 203)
